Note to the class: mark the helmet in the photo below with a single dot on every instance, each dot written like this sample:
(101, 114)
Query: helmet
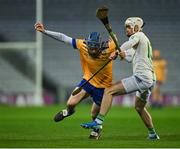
(94, 44)
(133, 21)
(94, 40)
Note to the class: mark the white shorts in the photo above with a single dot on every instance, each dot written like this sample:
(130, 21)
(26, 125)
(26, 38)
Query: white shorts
(142, 88)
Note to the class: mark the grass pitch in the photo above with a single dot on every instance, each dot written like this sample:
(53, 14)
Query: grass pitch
(34, 127)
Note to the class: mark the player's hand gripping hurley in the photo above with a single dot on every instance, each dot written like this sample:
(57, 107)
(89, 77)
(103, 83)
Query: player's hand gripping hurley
(102, 14)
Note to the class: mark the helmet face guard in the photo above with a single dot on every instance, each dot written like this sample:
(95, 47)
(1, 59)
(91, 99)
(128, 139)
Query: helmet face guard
(94, 44)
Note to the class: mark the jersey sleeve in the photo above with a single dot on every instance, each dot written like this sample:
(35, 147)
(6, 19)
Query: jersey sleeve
(58, 36)
(129, 55)
(75, 43)
(111, 45)
(79, 44)
(133, 40)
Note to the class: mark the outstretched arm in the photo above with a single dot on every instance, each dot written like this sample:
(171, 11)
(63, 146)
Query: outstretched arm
(56, 35)
(59, 36)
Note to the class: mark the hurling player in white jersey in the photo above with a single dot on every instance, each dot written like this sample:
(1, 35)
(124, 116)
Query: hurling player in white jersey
(138, 51)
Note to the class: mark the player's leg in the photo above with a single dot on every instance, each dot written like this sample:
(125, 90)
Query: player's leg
(115, 89)
(124, 86)
(94, 110)
(143, 113)
(71, 103)
(127, 85)
(140, 104)
(95, 133)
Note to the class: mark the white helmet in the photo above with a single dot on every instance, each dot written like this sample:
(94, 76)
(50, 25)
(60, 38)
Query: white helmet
(132, 21)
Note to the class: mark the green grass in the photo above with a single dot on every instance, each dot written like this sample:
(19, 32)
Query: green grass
(34, 127)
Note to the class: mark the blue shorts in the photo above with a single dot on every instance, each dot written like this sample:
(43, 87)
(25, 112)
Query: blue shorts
(94, 92)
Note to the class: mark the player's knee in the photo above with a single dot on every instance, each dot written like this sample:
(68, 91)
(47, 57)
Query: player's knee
(108, 91)
(71, 103)
(138, 109)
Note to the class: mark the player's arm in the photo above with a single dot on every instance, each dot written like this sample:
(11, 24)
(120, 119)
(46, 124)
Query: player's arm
(133, 41)
(59, 36)
(55, 35)
(129, 55)
(127, 51)
(126, 55)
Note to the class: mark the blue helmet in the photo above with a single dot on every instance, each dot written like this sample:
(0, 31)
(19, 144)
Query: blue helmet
(94, 40)
(94, 44)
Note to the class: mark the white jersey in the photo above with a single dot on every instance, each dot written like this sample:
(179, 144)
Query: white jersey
(141, 57)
